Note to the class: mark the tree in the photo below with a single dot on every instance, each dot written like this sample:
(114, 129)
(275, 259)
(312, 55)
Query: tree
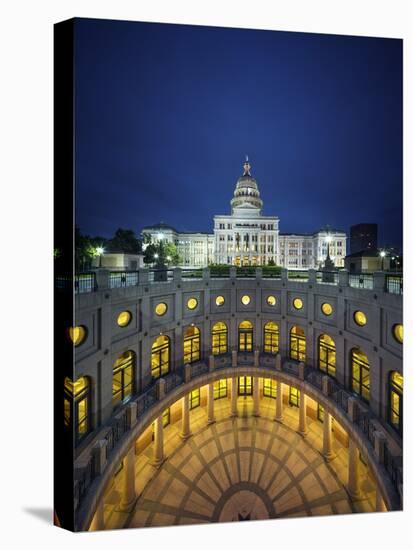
(161, 254)
(86, 249)
(125, 240)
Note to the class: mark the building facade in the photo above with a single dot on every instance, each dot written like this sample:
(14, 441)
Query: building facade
(168, 359)
(246, 237)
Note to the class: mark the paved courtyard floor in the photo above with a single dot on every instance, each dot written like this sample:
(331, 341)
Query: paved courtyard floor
(239, 469)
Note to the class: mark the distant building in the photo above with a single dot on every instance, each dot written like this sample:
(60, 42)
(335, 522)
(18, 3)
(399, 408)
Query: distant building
(119, 261)
(363, 236)
(248, 238)
(367, 260)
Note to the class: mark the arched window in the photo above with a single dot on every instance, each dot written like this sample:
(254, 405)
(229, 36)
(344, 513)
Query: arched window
(160, 357)
(192, 345)
(219, 338)
(271, 337)
(327, 354)
(396, 401)
(297, 343)
(360, 374)
(122, 379)
(245, 338)
(77, 407)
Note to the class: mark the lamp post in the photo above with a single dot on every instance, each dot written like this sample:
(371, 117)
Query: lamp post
(382, 256)
(100, 250)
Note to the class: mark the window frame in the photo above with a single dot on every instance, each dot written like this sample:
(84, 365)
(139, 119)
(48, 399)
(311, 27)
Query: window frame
(330, 350)
(271, 338)
(363, 367)
(160, 350)
(219, 339)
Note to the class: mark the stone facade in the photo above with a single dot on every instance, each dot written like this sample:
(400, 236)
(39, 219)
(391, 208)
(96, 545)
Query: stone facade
(246, 237)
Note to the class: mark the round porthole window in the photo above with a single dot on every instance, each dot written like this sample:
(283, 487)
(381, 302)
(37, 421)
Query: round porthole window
(78, 334)
(398, 333)
(161, 308)
(219, 300)
(245, 299)
(327, 309)
(360, 318)
(271, 300)
(124, 318)
(298, 303)
(192, 303)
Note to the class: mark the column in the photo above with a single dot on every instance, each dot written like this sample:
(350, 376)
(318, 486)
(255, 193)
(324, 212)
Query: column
(302, 423)
(256, 396)
(380, 505)
(210, 404)
(353, 470)
(186, 431)
(279, 402)
(233, 396)
(327, 437)
(158, 457)
(128, 493)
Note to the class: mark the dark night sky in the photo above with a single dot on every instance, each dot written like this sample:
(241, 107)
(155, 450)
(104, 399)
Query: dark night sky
(166, 113)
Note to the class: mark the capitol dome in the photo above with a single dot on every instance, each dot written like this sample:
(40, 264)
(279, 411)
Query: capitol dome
(246, 194)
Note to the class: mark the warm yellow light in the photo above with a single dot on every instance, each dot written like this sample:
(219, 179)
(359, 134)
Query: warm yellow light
(245, 299)
(298, 303)
(398, 333)
(161, 308)
(124, 318)
(327, 309)
(219, 300)
(271, 300)
(75, 388)
(360, 318)
(77, 334)
(192, 303)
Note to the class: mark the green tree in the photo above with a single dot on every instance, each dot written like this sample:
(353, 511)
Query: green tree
(125, 240)
(161, 254)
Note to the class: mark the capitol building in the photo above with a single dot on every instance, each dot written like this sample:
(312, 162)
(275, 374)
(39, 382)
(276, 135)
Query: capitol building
(246, 237)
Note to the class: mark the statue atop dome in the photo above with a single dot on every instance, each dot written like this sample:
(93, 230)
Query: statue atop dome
(246, 200)
(247, 167)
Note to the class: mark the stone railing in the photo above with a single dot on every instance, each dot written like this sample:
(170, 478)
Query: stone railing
(102, 279)
(359, 419)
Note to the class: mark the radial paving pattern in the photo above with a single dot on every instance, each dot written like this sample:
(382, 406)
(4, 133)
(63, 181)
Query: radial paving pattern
(236, 470)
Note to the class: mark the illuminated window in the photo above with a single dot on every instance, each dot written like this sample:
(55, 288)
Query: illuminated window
(360, 374)
(195, 398)
(320, 412)
(122, 378)
(160, 356)
(245, 336)
(161, 309)
(271, 337)
(294, 397)
(270, 388)
(360, 318)
(398, 333)
(297, 343)
(245, 299)
(327, 309)
(192, 303)
(271, 300)
(192, 345)
(298, 303)
(219, 300)
(166, 417)
(78, 334)
(124, 318)
(220, 389)
(327, 355)
(76, 407)
(245, 385)
(396, 401)
(219, 338)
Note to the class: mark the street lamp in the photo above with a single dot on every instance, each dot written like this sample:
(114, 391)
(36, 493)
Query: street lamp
(168, 258)
(99, 251)
(382, 256)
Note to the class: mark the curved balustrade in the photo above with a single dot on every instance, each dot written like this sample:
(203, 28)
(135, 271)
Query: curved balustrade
(137, 415)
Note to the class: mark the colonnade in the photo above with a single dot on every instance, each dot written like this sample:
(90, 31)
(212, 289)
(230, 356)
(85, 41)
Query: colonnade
(353, 474)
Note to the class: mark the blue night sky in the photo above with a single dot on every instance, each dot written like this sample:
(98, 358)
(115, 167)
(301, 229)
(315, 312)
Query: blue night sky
(166, 113)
